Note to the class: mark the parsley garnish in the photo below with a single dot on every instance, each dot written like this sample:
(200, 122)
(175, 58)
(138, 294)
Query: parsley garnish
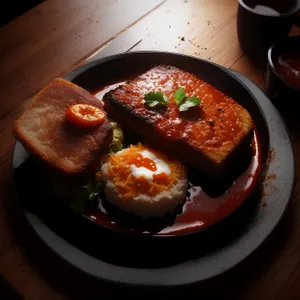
(183, 102)
(93, 189)
(188, 103)
(116, 148)
(155, 99)
(179, 96)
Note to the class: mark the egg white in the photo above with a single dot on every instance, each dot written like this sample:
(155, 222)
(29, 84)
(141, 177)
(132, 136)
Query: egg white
(161, 167)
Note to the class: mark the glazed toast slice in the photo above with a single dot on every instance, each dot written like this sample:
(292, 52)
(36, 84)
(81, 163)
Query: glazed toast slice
(207, 137)
(44, 131)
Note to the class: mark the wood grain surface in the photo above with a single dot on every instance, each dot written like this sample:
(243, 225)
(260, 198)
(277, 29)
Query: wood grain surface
(56, 36)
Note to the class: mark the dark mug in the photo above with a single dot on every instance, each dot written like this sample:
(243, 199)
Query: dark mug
(262, 22)
(283, 73)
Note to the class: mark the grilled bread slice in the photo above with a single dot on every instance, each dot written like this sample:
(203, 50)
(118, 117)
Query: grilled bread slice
(207, 137)
(44, 131)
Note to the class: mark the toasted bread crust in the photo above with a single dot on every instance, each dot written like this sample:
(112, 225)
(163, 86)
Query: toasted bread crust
(44, 131)
(206, 137)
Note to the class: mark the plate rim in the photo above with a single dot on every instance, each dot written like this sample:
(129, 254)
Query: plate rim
(30, 217)
(86, 67)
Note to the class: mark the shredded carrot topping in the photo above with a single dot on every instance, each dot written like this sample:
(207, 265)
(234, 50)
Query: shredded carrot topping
(130, 186)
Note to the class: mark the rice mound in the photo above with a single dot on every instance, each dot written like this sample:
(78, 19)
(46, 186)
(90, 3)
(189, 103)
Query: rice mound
(144, 205)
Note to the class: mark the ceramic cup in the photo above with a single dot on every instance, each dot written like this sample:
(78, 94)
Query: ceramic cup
(262, 22)
(283, 72)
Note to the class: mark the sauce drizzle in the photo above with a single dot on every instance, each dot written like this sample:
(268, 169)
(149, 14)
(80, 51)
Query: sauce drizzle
(142, 161)
(199, 210)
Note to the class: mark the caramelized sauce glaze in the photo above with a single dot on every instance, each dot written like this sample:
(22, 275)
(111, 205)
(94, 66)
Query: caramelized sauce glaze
(213, 126)
(199, 210)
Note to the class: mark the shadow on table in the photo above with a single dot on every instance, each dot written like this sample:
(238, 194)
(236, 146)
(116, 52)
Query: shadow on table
(7, 292)
(16, 8)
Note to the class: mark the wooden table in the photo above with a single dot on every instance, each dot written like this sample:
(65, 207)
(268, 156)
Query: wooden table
(56, 36)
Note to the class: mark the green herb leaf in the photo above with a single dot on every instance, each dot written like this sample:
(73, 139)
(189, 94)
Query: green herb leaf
(179, 95)
(116, 148)
(154, 99)
(189, 102)
(183, 102)
(93, 189)
(92, 196)
(194, 100)
(88, 187)
(152, 103)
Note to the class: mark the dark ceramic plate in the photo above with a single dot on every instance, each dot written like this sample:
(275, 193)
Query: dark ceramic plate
(214, 250)
(207, 203)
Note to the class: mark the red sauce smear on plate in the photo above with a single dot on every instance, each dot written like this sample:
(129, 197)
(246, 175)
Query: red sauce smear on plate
(199, 210)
